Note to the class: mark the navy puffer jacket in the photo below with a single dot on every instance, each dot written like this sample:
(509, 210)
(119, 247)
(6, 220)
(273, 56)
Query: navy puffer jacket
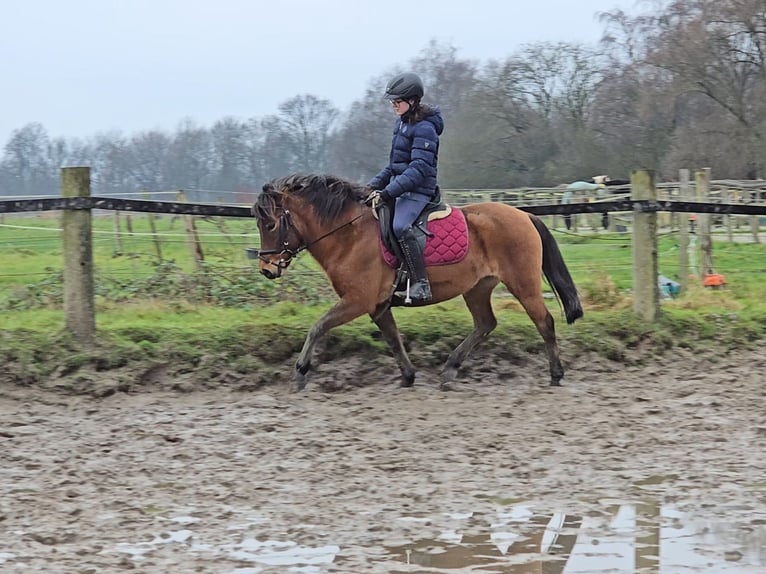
(412, 163)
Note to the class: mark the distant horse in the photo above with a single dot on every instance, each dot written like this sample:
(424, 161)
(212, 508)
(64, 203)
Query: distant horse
(327, 216)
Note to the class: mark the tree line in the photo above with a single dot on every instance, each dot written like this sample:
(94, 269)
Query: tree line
(681, 84)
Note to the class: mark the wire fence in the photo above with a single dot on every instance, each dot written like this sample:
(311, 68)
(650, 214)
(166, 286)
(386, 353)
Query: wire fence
(154, 248)
(42, 240)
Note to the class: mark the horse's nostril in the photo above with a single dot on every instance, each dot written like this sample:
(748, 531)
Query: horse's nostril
(268, 274)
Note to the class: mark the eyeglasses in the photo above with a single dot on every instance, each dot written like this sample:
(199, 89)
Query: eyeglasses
(396, 102)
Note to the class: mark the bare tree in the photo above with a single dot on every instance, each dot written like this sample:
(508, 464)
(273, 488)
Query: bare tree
(307, 122)
(530, 124)
(148, 153)
(190, 156)
(230, 154)
(450, 81)
(111, 158)
(359, 149)
(278, 148)
(713, 48)
(26, 162)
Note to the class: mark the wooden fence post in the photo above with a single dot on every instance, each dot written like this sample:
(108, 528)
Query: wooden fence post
(683, 231)
(646, 290)
(729, 196)
(754, 219)
(192, 237)
(702, 183)
(79, 307)
(153, 227)
(118, 250)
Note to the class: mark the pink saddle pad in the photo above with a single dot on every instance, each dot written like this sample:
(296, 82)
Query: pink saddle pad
(448, 244)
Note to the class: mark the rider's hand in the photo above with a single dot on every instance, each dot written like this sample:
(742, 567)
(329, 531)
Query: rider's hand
(374, 199)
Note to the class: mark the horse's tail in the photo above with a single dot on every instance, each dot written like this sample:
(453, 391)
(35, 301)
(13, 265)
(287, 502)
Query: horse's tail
(557, 274)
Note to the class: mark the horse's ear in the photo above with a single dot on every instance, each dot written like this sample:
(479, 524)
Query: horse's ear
(267, 187)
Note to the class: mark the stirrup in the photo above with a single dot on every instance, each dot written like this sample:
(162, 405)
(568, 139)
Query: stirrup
(407, 297)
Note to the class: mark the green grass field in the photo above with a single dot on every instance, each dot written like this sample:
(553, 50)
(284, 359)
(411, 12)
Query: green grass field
(32, 245)
(32, 252)
(147, 309)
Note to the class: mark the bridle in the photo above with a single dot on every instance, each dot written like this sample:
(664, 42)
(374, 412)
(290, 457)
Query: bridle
(285, 226)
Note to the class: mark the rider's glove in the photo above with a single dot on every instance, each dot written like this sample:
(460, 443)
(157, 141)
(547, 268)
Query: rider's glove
(376, 197)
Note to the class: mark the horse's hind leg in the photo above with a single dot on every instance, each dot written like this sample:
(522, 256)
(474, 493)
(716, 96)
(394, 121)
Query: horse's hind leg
(390, 331)
(535, 307)
(479, 302)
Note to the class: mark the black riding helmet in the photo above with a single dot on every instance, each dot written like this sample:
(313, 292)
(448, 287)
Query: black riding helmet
(405, 86)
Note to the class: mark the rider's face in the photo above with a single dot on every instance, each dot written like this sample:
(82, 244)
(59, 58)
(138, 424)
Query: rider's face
(400, 106)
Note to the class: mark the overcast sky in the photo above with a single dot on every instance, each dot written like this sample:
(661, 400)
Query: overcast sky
(85, 66)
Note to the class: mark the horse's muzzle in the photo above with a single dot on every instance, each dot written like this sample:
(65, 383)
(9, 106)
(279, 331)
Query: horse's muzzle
(269, 274)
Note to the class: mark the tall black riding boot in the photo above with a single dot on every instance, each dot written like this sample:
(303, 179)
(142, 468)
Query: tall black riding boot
(419, 288)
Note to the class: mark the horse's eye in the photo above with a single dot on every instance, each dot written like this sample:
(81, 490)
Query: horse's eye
(272, 226)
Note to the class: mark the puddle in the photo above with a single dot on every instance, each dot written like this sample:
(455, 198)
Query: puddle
(624, 539)
(260, 553)
(616, 537)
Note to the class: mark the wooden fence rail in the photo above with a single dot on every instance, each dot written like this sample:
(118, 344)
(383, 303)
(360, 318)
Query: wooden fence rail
(77, 204)
(177, 208)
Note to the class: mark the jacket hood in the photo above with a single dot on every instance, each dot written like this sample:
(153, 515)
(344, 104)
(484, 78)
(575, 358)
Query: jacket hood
(435, 117)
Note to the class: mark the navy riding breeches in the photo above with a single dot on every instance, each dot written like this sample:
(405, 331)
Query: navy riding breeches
(406, 211)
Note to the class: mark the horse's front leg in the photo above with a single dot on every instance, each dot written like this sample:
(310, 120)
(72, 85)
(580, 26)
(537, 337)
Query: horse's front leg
(343, 312)
(387, 325)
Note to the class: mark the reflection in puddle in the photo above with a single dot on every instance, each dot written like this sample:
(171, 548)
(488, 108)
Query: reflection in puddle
(626, 539)
(259, 553)
(617, 538)
(274, 553)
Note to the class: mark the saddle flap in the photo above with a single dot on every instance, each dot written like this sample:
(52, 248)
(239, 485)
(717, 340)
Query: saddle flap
(445, 242)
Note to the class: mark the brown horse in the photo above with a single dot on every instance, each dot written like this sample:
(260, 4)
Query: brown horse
(326, 215)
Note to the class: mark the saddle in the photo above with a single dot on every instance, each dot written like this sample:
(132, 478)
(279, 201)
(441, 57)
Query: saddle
(440, 230)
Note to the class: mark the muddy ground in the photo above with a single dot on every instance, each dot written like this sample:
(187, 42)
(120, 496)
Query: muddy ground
(353, 473)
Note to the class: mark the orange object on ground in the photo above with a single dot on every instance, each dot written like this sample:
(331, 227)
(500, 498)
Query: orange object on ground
(714, 280)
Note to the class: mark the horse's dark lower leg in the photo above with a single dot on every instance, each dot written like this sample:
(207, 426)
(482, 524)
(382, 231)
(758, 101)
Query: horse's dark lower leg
(552, 350)
(303, 364)
(341, 313)
(390, 331)
(479, 304)
(543, 320)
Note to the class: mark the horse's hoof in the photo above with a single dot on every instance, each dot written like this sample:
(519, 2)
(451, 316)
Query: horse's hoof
(555, 383)
(407, 381)
(298, 383)
(449, 374)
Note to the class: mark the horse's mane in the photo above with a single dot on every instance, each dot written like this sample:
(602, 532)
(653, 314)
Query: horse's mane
(329, 195)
